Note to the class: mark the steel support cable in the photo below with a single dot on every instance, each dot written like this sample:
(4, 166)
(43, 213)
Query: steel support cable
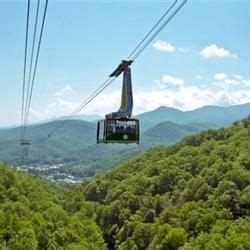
(160, 29)
(110, 80)
(62, 23)
(97, 93)
(154, 27)
(85, 102)
(139, 52)
(32, 56)
(24, 70)
(79, 108)
(35, 67)
(155, 34)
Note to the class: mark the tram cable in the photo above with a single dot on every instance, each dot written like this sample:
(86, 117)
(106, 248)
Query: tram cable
(32, 56)
(154, 27)
(24, 69)
(86, 102)
(35, 69)
(107, 82)
(159, 30)
(103, 86)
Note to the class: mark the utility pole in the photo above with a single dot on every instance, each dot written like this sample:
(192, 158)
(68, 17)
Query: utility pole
(25, 147)
(248, 125)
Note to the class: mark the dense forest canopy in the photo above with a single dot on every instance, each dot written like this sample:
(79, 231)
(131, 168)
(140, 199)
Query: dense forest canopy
(192, 195)
(33, 216)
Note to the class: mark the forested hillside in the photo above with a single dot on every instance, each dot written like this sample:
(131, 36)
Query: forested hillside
(72, 136)
(33, 216)
(193, 195)
(168, 132)
(74, 143)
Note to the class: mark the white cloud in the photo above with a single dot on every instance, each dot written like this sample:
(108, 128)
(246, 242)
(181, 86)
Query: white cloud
(231, 81)
(56, 108)
(184, 97)
(170, 81)
(239, 77)
(65, 90)
(220, 76)
(198, 77)
(246, 82)
(187, 98)
(164, 46)
(214, 51)
(182, 49)
(223, 79)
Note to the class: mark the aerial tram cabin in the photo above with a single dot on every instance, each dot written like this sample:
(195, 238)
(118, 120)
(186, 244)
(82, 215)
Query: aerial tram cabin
(118, 131)
(119, 127)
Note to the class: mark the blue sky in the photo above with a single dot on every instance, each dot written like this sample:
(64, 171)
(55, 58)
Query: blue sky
(201, 58)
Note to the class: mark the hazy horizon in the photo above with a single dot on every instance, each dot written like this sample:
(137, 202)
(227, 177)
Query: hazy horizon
(51, 119)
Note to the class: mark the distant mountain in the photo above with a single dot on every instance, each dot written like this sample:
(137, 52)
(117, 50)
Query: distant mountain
(74, 141)
(68, 137)
(169, 132)
(215, 115)
(70, 141)
(218, 116)
(66, 130)
(88, 118)
(161, 114)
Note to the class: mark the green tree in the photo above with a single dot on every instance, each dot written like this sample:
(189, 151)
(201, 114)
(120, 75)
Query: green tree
(143, 235)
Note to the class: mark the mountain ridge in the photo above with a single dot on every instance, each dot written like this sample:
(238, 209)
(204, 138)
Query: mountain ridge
(155, 112)
(213, 114)
(74, 142)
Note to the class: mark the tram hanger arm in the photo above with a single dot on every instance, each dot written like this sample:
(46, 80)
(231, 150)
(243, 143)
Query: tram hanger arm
(121, 67)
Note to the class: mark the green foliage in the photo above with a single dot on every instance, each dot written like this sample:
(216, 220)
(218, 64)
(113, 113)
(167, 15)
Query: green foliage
(32, 216)
(223, 235)
(143, 235)
(193, 195)
(73, 144)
